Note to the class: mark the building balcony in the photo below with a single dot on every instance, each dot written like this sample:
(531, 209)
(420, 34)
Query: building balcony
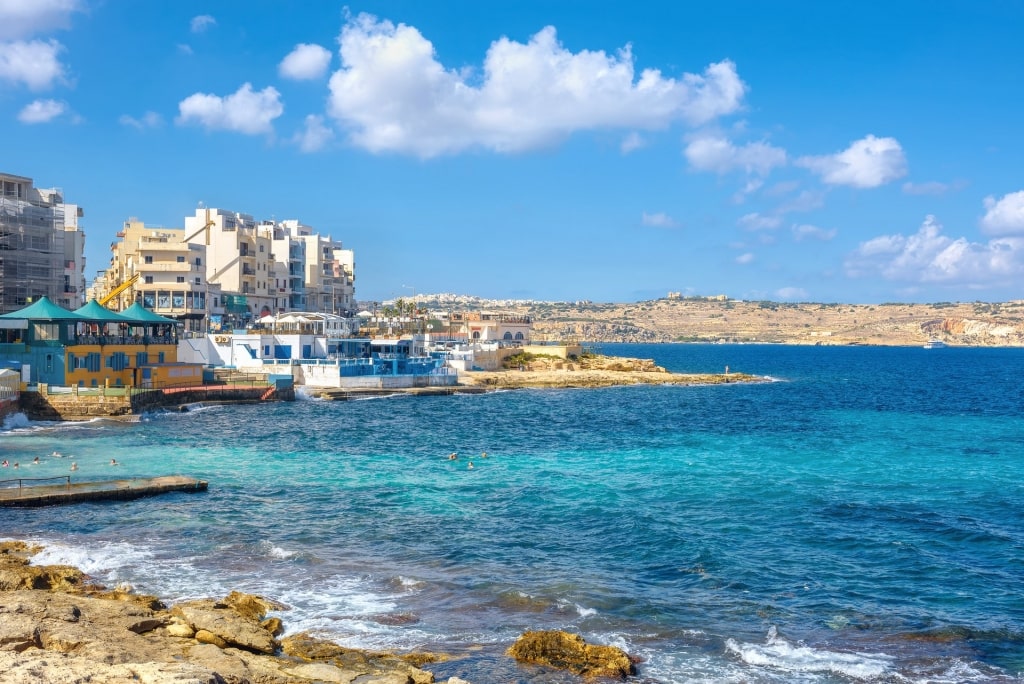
(165, 267)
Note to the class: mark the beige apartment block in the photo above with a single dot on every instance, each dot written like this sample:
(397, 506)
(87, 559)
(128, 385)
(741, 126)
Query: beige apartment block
(163, 270)
(239, 260)
(41, 246)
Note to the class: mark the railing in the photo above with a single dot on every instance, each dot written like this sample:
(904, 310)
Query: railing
(8, 484)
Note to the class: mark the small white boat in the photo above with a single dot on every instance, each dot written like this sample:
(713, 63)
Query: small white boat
(934, 344)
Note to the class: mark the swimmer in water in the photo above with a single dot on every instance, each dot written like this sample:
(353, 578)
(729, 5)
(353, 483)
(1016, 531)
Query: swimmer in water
(35, 460)
(5, 463)
(470, 465)
(453, 456)
(113, 461)
(74, 466)
(483, 455)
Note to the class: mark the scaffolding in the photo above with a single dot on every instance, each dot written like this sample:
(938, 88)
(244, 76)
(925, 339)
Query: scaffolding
(31, 243)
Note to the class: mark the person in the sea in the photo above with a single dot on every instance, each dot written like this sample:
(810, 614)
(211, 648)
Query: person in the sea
(35, 460)
(74, 466)
(113, 461)
(470, 465)
(15, 464)
(483, 455)
(5, 463)
(453, 456)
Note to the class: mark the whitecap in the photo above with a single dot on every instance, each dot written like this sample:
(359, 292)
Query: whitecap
(16, 421)
(780, 654)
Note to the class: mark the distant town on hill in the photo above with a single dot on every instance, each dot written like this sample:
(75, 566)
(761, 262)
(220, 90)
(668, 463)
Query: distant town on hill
(675, 318)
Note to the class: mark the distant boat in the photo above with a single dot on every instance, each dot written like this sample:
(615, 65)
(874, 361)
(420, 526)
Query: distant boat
(934, 344)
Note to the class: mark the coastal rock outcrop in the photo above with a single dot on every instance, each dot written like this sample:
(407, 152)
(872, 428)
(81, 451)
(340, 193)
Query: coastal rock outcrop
(57, 628)
(567, 651)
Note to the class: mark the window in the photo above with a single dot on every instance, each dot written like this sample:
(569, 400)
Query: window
(261, 248)
(149, 280)
(199, 261)
(180, 279)
(148, 258)
(141, 359)
(198, 281)
(181, 258)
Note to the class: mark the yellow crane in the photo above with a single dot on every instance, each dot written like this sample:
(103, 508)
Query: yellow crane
(120, 288)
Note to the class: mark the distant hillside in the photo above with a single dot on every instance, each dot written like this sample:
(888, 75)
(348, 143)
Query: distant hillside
(725, 320)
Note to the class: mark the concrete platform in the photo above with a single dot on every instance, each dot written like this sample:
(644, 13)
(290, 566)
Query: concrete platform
(68, 492)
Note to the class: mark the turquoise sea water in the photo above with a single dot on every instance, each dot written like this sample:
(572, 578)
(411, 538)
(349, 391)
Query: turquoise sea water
(861, 518)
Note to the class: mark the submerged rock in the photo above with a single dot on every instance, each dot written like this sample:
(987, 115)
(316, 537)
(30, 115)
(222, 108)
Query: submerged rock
(565, 651)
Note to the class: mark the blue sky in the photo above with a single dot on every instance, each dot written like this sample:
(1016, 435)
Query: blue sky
(854, 152)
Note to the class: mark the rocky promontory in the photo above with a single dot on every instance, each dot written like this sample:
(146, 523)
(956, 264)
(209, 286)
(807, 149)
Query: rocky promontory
(593, 370)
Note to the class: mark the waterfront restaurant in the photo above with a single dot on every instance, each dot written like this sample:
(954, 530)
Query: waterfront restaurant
(93, 347)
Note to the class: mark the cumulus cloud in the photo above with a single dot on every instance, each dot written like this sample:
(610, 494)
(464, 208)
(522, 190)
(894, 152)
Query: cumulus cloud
(393, 94)
(659, 220)
(33, 63)
(148, 120)
(792, 293)
(244, 111)
(201, 23)
(21, 18)
(41, 111)
(756, 221)
(807, 231)
(928, 256)
(306, 62)
(1004, 216)
(720, 155)
(745, 258)
(314, 135)
(866, 163)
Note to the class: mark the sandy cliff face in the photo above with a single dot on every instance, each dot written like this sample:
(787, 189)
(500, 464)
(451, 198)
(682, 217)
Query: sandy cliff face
(664, 320)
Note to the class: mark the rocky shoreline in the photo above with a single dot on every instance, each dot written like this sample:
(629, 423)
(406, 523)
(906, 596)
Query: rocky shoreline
(57, 627)
(594, 371)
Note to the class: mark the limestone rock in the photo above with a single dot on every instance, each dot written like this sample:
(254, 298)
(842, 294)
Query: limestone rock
(228, 625)
(273, 625)
(205, 637)
(566, 651)
(371, 667)
(250, 606)
(55, 668)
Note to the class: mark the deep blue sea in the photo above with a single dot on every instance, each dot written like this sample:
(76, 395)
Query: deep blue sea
(859, 518)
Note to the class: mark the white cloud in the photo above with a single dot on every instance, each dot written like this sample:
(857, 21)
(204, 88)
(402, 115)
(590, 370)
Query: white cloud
(928, 256)
(314, 136)
(633, 141)
(394, 96)
(808, 232)
(756, 221)
(792, 293)
(1004, 216)
(147, 120)
(305, 62)
(718, 154)
(21, 18)
(41, 111)
(745, 258)
(244, 111)
(201, 23)
(184, 48)
(751, 186)
(866, 163)
(659, 220)
(33, 63)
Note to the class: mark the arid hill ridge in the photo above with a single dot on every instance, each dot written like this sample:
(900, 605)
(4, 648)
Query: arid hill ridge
(719, 319)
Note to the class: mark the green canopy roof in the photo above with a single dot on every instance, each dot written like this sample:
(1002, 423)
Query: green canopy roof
(43, 310)
(141, 314)
(100, 314)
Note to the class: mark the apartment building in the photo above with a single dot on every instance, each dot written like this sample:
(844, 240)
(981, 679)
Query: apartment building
(166, 269)
(41, 245)
(239, 260)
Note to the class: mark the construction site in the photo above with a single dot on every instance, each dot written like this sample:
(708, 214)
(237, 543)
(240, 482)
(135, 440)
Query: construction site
(40, 246)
